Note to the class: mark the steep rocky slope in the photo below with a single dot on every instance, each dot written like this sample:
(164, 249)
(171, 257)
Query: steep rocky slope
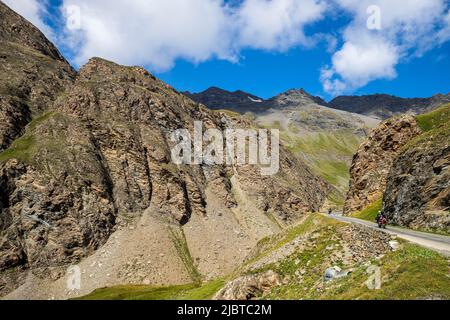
(374, 158)
(318, 258)
(418, 187)
(384, 106)
(405, 162)
(91, 181)
(102, 153)
(324, 137)
(33, 73)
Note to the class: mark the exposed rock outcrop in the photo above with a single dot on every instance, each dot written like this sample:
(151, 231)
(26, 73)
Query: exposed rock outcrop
(418, 187)
(97, 153)
(325, 138)
(374, 159)
(249, 287)
(32, 74)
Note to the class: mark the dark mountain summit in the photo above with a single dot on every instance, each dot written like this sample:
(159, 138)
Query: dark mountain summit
(380, 106)
(219, 99)
(294, 97)
(242, 102)
(384, 106)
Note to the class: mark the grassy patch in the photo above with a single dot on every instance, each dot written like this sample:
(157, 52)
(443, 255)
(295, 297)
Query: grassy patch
(40, 120)
(22, 149)
(434, 119)
(408, 274)
(25, 147)
(434, 137)
(328, 155)
(336, 198)
(182, 292)
(181, 245)
(334, 172)
(311, 261)
(370, 212)
(272, 243)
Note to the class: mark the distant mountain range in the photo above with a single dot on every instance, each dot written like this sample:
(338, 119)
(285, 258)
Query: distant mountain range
(384, 106)
(242, 102)
(380, 106)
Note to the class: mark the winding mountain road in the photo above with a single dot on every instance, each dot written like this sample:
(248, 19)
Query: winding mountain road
(439, 243)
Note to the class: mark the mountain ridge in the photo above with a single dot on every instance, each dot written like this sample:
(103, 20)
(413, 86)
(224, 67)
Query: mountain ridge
(380, 106)
(87, 179)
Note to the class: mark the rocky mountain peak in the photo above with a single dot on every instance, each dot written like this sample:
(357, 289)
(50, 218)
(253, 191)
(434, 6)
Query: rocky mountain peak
(32, 73)
(219, 99)
(14, 28)
(294, 97)
(88, 154)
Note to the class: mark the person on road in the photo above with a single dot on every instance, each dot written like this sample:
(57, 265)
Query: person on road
(381, 219)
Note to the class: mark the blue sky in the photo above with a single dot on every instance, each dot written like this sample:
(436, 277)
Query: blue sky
(261, 46)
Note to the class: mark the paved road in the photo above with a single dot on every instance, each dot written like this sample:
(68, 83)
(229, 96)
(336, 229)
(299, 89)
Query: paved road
(435, 242)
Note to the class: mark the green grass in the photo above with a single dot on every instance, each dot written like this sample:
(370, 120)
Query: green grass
(434, 137)
(434, 119)
(272, 243)
(334, 172)
(370, 212)
(25, 147)
(328, 155)
(182, 247)
(22, 149)
(408, 274)
(182, 292)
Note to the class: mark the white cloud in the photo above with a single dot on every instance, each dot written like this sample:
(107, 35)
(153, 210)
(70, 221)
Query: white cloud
(157, 33)
(33, 11)
(358, 64)
(409, 29)
(276, 24)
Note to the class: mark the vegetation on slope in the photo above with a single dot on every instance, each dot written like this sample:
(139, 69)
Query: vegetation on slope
(328, 155)
(24, 147)
(411, 272)
(182, 247)
(436, 125)
(434, 119)
(370, 212)
(182, 292)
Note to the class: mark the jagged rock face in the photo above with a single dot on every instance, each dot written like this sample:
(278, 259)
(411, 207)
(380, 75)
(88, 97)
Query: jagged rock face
(32, 74)
(374, 159)
(83, 153)
(384, 106)
(103, 151)
(418, 187)
(243, 102)
(249, 287)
